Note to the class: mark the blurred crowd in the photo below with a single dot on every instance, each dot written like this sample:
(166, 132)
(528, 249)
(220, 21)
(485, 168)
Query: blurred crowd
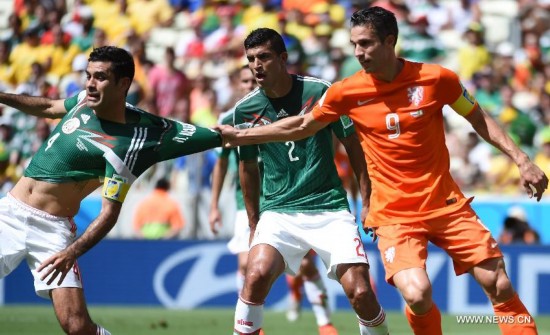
(188, 52)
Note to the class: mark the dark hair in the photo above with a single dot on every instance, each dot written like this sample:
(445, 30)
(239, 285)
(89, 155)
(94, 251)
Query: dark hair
(262, 36)
(122, 62)
(382, 21)
(162, 184)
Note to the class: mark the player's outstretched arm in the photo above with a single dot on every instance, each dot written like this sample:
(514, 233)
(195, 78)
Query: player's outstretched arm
(531, 175)
(62, 262)
(37, 106)
(292, 128)
(218, 177)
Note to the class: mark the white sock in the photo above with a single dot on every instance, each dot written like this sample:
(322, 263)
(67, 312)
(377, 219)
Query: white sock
(248, 317)
(240, 281)
(102, 331)
(377, 326)
(316, 295)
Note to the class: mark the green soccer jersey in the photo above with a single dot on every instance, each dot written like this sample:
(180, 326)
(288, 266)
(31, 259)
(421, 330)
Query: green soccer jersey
(83, 146)
(298, 176)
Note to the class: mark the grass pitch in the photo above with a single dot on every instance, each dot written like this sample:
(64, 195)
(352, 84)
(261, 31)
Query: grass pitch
(40, 320)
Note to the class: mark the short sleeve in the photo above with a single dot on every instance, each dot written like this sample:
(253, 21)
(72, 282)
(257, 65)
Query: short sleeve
(69, 103)
(451, 92)
(328, 108)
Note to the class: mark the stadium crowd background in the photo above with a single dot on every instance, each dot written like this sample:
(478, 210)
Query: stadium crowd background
(188, 53)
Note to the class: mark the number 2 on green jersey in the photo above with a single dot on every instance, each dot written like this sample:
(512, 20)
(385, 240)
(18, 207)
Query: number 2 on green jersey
(290, 150)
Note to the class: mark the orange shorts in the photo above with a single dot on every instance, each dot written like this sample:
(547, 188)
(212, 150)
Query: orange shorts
(461, 234)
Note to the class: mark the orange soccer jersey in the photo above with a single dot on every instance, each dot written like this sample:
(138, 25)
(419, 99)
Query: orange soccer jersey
(402, 134)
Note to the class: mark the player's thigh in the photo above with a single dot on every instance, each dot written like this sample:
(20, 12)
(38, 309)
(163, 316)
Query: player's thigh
(47, 236)
(336, 240)
(12, 238)
(465, 239)
(402, 247)
(280, 231)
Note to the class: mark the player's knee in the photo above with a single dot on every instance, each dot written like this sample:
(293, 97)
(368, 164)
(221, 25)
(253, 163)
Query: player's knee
(417, 296)
(497, 285)
(361, 295)
(259, 276)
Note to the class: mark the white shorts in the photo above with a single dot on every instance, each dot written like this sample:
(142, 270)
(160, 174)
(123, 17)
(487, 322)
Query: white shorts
(241, 234)
(34, 235)
(332, 235)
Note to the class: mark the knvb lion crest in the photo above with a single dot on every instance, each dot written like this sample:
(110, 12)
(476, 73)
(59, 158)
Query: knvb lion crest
(415, 94)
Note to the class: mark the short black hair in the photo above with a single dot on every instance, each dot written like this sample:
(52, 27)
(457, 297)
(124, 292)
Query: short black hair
(162, 184)
(261, 36)
(121, 60)
(381, 20)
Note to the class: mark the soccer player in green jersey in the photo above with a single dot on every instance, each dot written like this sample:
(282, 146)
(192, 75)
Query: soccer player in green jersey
(308, 275)
(305, 206)
(100, 140)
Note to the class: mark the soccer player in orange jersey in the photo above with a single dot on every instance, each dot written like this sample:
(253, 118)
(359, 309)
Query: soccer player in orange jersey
(396, 106)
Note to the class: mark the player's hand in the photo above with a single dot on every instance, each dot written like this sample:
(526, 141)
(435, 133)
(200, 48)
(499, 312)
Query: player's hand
(533, 180)
(215, 220)
(371, 231)
(57, 265)
(229, 135)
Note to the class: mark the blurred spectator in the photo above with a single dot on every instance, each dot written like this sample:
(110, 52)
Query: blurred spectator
(74, 81)
(169, 89)
(503, 173)
(260, 14)
(463, 13)
(320, 58)
(14, 33)
(487, 91)
(296, 26)
(515, 120)
(296, 55)
(25, 54)
(528, 61)
(7, 75)
(7, 170)
(148, 14)
(474, 55)
(53, 20)
(479, 157)
(158, 216)
(303, 6)
(60, 54)
(418, 45)
(398, 7)
(202, 102)
(516, 229)
(81, 27)
(114, 20)
(228, 37)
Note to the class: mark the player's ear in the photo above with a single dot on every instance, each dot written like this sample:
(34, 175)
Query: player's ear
(391, 40)
(125, 82)
(284, 57)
